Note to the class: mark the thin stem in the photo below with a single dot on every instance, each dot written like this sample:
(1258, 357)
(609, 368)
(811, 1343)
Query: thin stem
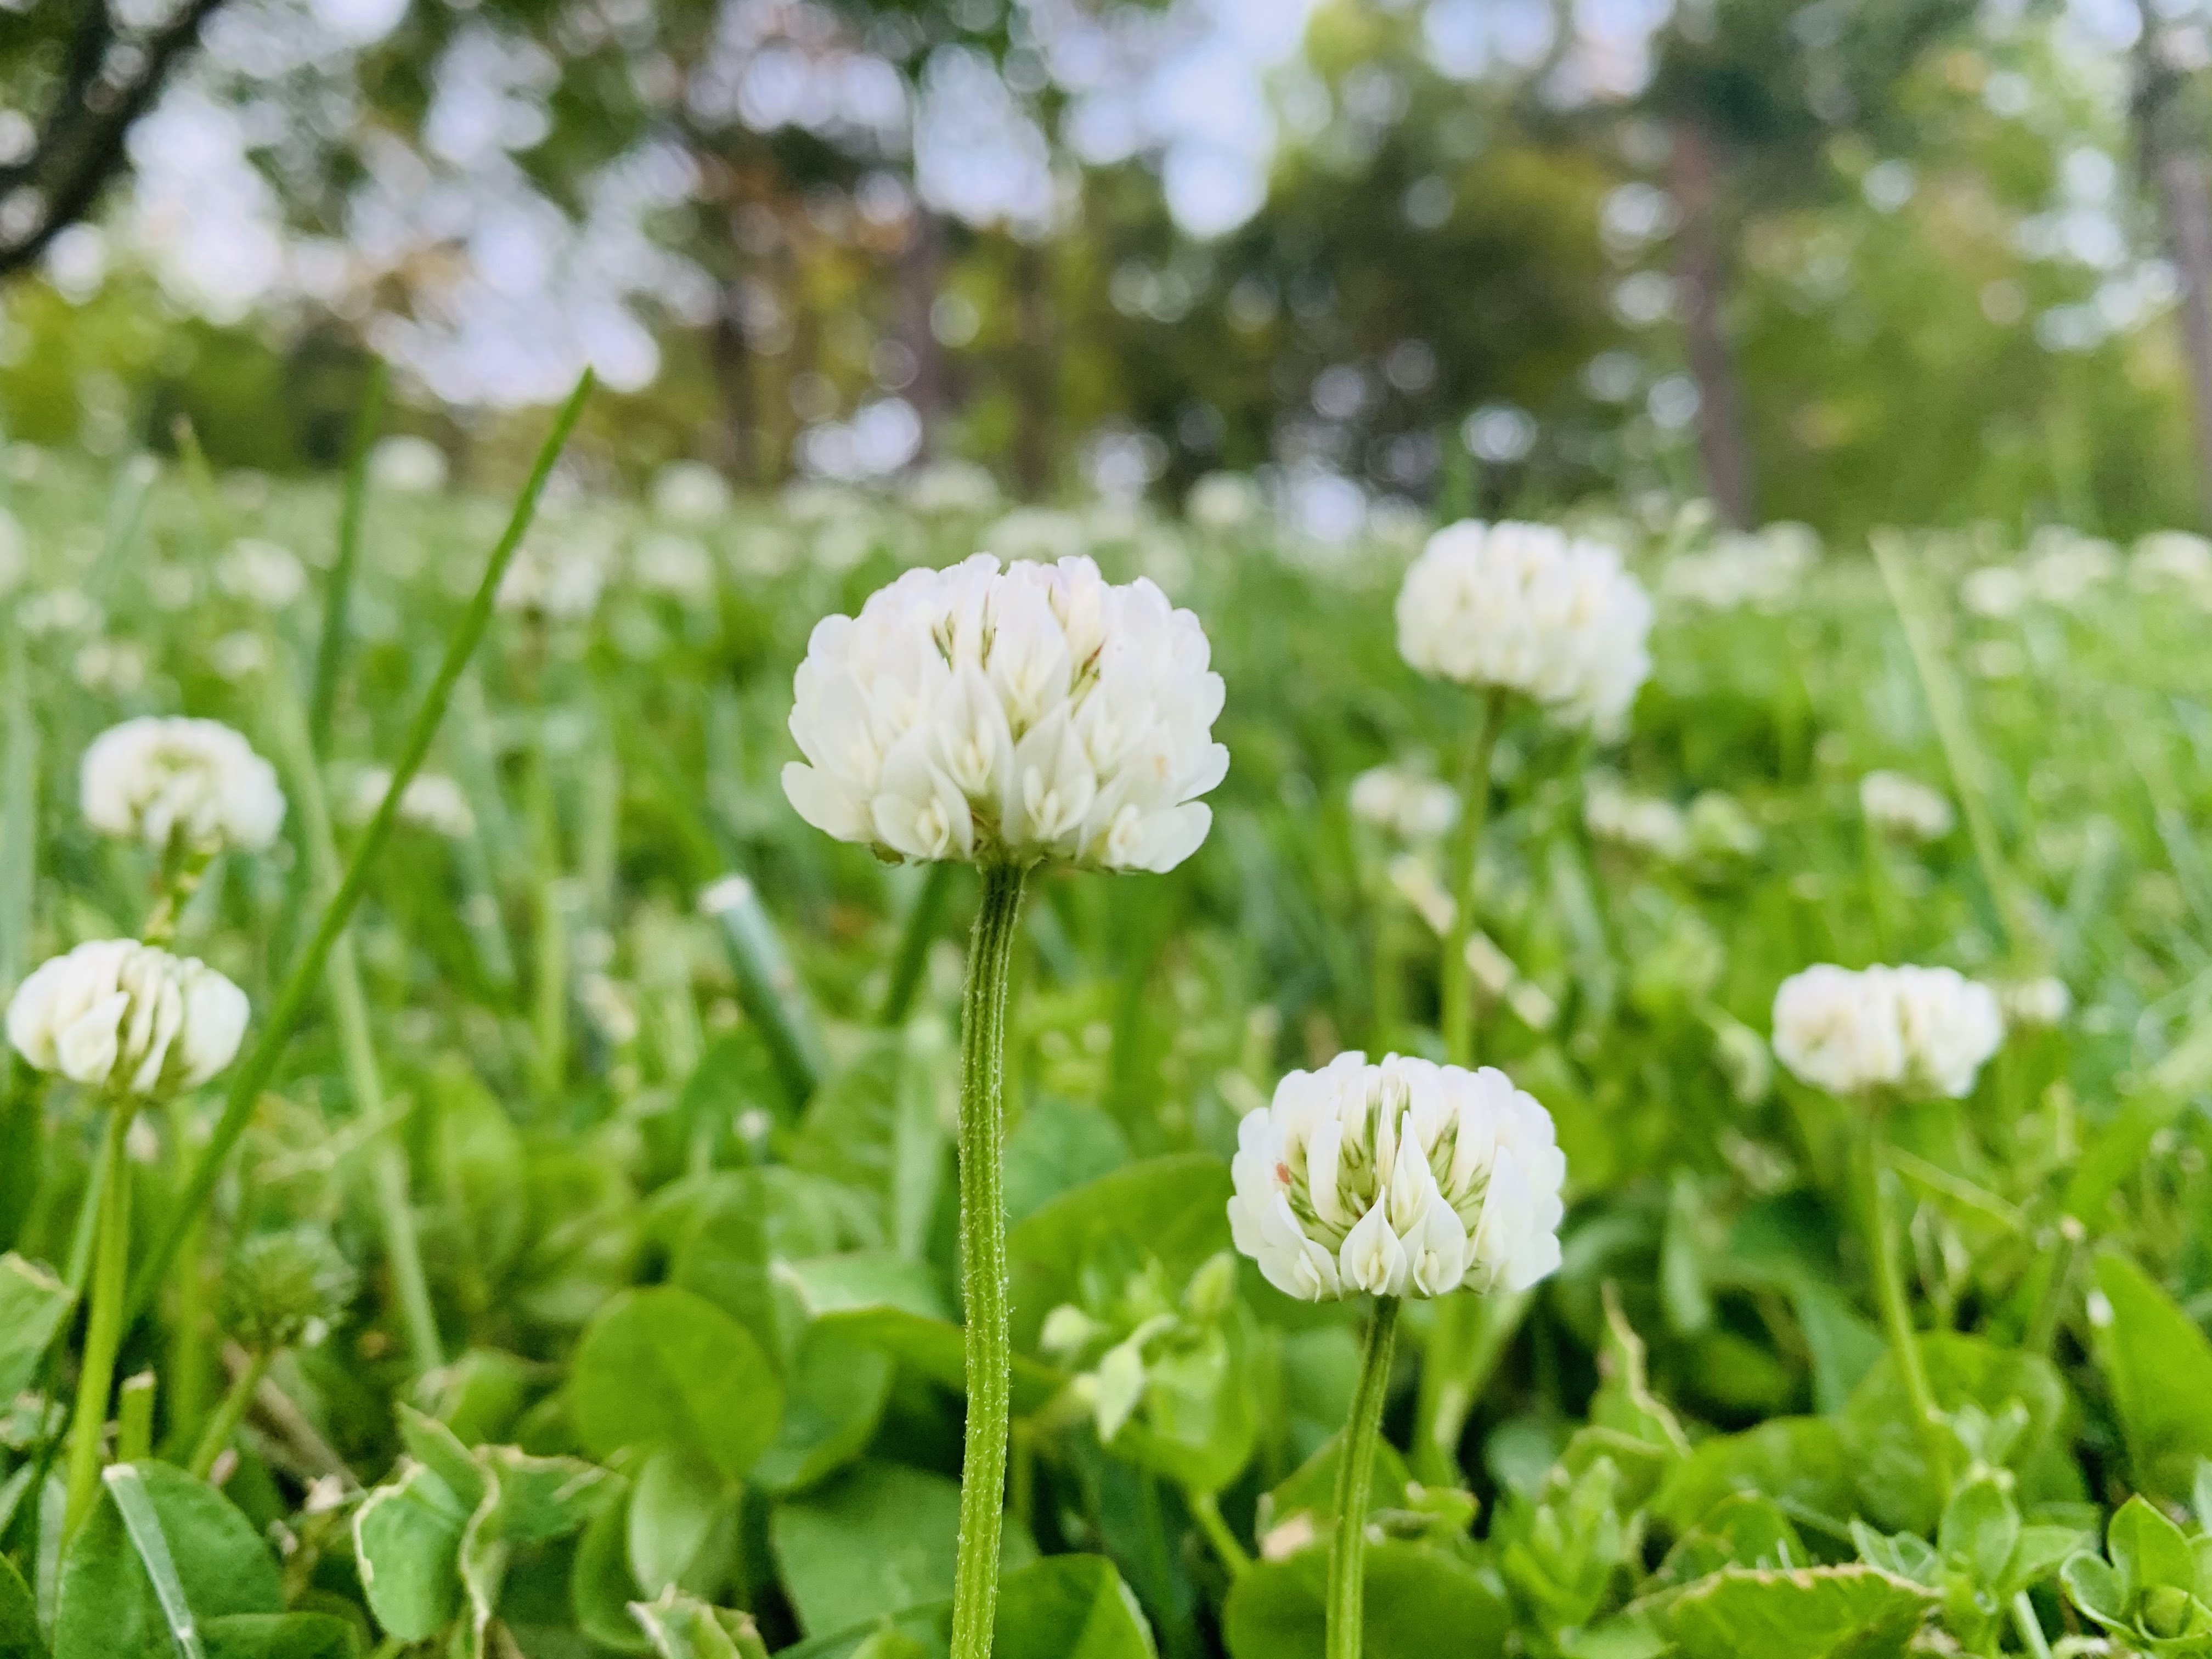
(134, 1418)
(252, 1074)
(188, 1352)
(1205, 1510)
(1355, 1479)
(103, 1336)
(1896, 1316)
(330, 648)
(983, 1260)
(915, 936)
(2043, 1329)
(1457, 986)
(227, 1416)
(2030, 1627)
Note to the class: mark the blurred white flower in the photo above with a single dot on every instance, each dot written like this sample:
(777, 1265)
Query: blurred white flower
(555, 577)
(15, 552)
(238, 656)
(1404, 1178)
(1904, 807)
(690, 492)
(1404, 803)
(948, 487)
(57, 611)
(1222, 502)
(1766, 570)
(2034, 1005)
(112, 665)
(262, 574)
(431, 801)
(153, 778)
(117, 1014)
(1641, 823)
(408, 465)
(1526, 608)
(2174, 558)
(1038, 533)
(987, 715)
(674, 565)
(1997, 592)
(1720, 827)
(1916, 1032)
(2064, 564)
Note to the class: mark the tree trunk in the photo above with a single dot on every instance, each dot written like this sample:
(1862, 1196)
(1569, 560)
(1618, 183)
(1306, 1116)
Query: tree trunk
(1701, 274)
(921, 274)
(733, 357)
(2173, 165)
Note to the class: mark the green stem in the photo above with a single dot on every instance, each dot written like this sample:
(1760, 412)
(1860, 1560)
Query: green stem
(187, 1366)
(915, 937)
(1355, 1479)
(2030, 1627)
(134, 1418)
(549, 1017)
(227, 1416)
(1206, 1508)
(330, 648)
(251, 1076)
(1457, 986)
(1896, 1315)
(103, 1336)
(983, 1260)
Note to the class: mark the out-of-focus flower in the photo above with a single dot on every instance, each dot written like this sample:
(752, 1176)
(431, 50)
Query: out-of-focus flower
(1904, 807)
(1222, 502)
(1997, 592)
(952, 488)
(281, 1289)
(112, 665)
(1920, 1032)
(1766, 570)
(15, 552)
(555, 577)
(1031, 714)
(608, 1006)
(1404, 1178)
(1041, 533)
(1720, 827)
(57, 610)
(118, 1015)
(1641, 823)
(261, 573)
(2064, 564)
(1523, 607)
(1401, 802)
(2167, 559)
(238, 656)
(152, 778)
(431, 801)
(676, 566)
(690, 492)
(2034, 1005)
(408, 465)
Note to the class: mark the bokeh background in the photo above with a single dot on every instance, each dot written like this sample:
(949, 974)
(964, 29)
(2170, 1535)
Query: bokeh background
(1846, 261)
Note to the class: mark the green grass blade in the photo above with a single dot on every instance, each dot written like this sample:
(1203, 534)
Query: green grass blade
(144, 1527)
(254, 1074)
(768, 985)
(330, 650)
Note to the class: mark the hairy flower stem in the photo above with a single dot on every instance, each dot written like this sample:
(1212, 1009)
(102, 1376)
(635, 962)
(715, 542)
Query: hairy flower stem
(1896, 1315)
(1355, 1478)
(983, 1260)
(228, 1415)
(103, 1335)
(1458, 991)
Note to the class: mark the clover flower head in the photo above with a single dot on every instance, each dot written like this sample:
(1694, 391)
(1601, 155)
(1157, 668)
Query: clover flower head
(1640, 824)
(116, 1014)
(1904, 807)
(2034, 1005)
(281, 1289)
(1010, 716)
(1527, 608)
(1402, 1178)
(1406, 804)
(262, 574)
(951, 487)
(1919, 1032)
(154, 778)
(676, 566)
(408, 465)
(690, 492)
(431, 801)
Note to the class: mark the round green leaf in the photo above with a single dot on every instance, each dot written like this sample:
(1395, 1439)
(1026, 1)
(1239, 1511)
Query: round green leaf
(665, 1367)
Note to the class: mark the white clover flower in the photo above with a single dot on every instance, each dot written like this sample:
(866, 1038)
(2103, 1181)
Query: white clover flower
(1405, 1178)
(556, 577)
(1038, 533)
(690, 492)
(953, 487)
(117, 1014)
(676, 566)
(1526, 608)
(152, 778)
(987, 715)
(116, 665)
(2064, 564)
(1916, 1032)
(1904, 807)
(238, 656)
(1720, 827)
(2174, 558)
(1641, 823)
(57, 611)
(14, 556)
(431, 801)
(1997, 592)
(2034, 1005)
(262, 574)
(408, 465)
(1766, 570)
(1223, 502)
(1404, 803)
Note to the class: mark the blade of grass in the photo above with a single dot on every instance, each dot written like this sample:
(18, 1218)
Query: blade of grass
(330, 650)
(259, 1065)
(19, 835)
(768, 985)
(144, 1527)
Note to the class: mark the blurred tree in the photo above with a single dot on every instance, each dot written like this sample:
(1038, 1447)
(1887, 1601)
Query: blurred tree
(2170, 123)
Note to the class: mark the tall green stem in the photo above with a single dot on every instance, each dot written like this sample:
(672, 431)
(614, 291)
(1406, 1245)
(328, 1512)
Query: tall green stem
(103, 1335)
(1355, 1479)
(228, 1415)
(1458, 989)
(1896, 1315)
(983, 1260)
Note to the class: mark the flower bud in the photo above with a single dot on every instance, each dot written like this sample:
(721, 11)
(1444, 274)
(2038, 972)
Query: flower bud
(1404, 1178)
(117, 1014)
(280, 1289)
(152, 780)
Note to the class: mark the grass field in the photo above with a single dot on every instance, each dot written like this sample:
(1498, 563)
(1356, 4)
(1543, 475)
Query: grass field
(645, 1207)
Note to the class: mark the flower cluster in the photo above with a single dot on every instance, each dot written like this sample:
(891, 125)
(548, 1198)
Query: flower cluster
(1404, 1178)
(1640, 824)
(1912, 1032)
(1904, 807)
(153, 779)
(1526, 608)
(1765, 570)
(431, 801)
(1010, 716)
(1401, 802)
(117, 1014)
(262, 574)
